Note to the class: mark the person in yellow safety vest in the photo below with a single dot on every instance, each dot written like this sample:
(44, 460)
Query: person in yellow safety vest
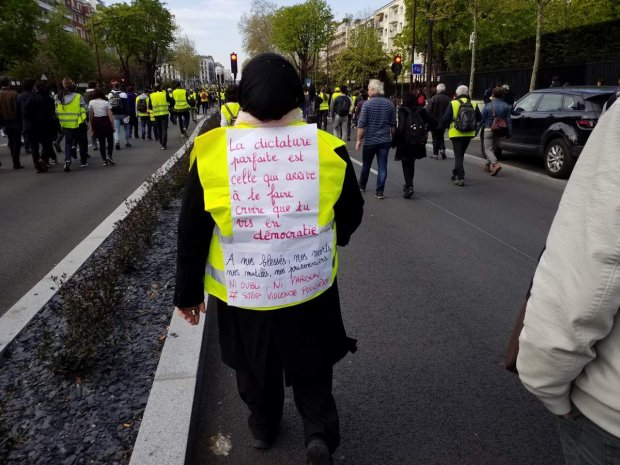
(153, 122)
(352, 121)
(204, 102)
(456, 117)
(192, 99)
(181, 107)
(286, 323)
(350, 115)
(142, 111)
(323, 109)
(72, 114)
(334, 96)
(159, 102)
(230, 110)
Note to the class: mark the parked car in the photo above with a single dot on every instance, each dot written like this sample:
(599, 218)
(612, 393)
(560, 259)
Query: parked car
(556, 123)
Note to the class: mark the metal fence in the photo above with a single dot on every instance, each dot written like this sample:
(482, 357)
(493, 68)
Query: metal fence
(519, 79)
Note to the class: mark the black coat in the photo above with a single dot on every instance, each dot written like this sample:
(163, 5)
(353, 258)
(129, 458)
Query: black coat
(308, 336)
(410, 152)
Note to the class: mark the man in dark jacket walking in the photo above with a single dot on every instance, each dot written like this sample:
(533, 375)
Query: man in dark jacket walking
(29, 111)
(8, 118)
(436, 108)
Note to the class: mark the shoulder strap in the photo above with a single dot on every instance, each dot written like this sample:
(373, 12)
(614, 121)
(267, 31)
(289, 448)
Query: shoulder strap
(228, 110)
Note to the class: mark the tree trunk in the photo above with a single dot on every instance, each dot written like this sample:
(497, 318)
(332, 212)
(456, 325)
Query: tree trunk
(429, 57)
(472, 71)
(537, 49)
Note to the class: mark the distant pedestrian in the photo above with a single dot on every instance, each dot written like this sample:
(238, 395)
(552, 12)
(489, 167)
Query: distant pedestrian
(72, 113)
(88, 94)
(131, 112)
(192, 99)
(33, 117)
(10, 121)
(569, 347)
(47, 123)
(312, 103)
(230, 109)
(410, 138)
(102, 125)
(436, 107)
(508, 95)
(462, 116)
(376, 126)
(181, 107)
(159, 102)
(118, 102)
(142, 111)
(497, 124)
(323, 109)
(341, 108)
(555, 82)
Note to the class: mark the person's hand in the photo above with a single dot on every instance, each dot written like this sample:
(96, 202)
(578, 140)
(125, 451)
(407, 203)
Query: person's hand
(358, 144)
(192, 314)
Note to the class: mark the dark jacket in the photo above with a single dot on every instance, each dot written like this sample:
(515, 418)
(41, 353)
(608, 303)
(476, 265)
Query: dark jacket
(437, 105)
(8, 107)
(496, 108)
(310, 336)
(408, 152)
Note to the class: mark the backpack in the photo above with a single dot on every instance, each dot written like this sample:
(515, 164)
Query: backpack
(141, 107)
(233, 118)
(344, 106)
(203, 96)
(499, 126)
(191, 100)
(465, 120)
(415, 128)
(116, 102)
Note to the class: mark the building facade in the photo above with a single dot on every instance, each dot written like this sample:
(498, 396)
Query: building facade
(207, 70)
(78, 12)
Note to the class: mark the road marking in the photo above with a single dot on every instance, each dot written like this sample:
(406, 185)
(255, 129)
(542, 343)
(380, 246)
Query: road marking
(477, 228)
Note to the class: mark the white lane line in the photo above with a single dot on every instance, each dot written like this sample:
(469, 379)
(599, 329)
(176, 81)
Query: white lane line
(477, 228)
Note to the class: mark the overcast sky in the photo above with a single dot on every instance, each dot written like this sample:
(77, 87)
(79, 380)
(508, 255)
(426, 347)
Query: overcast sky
(212, 24)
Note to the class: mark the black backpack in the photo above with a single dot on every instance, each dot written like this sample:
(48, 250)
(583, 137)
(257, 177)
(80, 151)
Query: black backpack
(465, 120)
(116, 102)
(142, 108)
(191, 100)
(416, 132)
(344, 105)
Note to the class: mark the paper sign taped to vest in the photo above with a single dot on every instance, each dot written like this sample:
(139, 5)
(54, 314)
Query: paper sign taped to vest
(278, 254)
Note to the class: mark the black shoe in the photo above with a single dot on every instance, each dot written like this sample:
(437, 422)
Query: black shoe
(379, 195)
(408, 193)
(443, 154)
(143, 137)
(67, 167)
(127, 144)
(110, 161)
(453, 177)
(362, 188)
(317, 453)
(118, 146)
(18, 166)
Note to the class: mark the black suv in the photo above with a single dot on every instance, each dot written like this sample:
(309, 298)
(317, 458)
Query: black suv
(556, 123)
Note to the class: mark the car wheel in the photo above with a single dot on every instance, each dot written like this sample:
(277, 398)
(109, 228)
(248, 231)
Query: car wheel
(558, 160)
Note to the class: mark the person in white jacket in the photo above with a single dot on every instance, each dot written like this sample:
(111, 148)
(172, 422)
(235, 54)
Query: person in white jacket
(569, 348)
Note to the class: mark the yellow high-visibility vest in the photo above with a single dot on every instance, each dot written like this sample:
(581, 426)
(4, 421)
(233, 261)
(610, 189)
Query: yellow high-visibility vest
(72, 114)
(211, 156)
(180, 99)
(159, 103)
(453, 132)
(325, 103)
(230, 111)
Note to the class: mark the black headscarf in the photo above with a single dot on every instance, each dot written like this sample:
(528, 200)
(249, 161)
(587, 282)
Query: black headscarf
(270, 87)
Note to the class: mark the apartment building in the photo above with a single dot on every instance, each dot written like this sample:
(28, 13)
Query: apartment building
(78, 11)
(207, 70)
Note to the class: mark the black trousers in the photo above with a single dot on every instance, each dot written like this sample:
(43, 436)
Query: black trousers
(438, 141)
(161, 123)
(313, 399)
(322, 121)
(13, 135)
(408, 171)
(106, 145)
(459, 146)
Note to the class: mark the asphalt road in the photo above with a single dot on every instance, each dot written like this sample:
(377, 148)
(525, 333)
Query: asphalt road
(44, 216)
(430, 288)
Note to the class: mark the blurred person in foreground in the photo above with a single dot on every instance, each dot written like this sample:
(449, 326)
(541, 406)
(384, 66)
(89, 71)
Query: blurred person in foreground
(263, 224)
(569, 348)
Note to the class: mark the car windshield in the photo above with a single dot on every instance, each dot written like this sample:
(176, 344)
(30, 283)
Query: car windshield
(528, 103)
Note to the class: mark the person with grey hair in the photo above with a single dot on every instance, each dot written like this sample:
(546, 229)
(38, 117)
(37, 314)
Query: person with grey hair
(375, 128)
(462, 116)
(437, 107)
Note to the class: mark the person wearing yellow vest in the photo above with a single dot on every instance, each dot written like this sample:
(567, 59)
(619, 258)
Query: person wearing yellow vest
(267, 203)
(72, 114)
(461, 111)
(230, 110)
(159, 102)
(181, 107)
(192, 100)
(323, 109)
(142, 111)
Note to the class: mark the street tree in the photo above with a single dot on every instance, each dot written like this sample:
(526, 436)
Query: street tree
(185, 58)
(540, 7)
(301, 31)
(362, 58)
(156, 35)
(19, 20)
(256, 28)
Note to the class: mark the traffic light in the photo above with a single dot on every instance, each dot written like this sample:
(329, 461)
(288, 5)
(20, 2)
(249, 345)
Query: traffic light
(397, 65)
(233, 63)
